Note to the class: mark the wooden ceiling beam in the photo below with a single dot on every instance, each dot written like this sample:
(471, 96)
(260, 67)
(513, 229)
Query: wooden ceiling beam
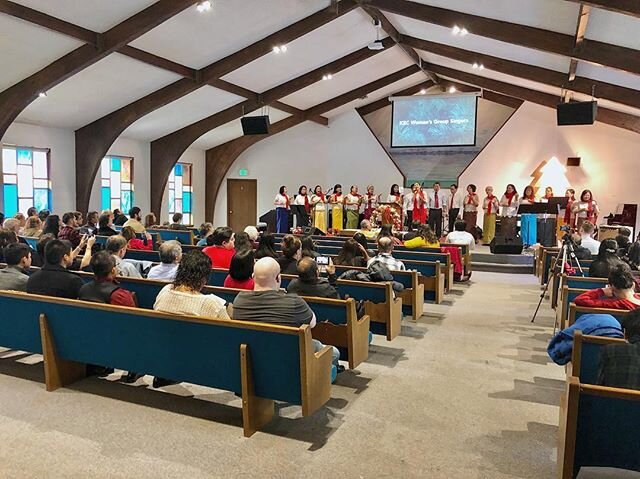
(488, 95)
(47, 21)
(382, 102)
(93, 140)
(613, 56)
(626, 7)
(220, 158)
(17, 97)
(581, 29)
(615, 93)
(166, 151)
(605, 115)
(388, 27)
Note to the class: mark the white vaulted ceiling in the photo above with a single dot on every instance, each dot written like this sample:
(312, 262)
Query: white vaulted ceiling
(195, 40)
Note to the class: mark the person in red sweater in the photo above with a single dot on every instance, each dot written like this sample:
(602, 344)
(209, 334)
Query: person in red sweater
(618, 295)
(133, 242)
(241, 271)
(221, 247)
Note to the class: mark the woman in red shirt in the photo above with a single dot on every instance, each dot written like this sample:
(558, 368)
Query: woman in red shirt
(221, 247)
(241, 271)
(133, 242)
(618, 295)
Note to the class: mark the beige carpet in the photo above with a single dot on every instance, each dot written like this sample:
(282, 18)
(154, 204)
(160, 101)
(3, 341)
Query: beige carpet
(467, 392)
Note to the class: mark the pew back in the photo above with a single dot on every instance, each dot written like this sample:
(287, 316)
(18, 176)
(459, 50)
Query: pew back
(585, 358)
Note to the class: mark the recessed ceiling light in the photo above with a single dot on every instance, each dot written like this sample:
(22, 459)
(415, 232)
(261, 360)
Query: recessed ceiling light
(42, 94)
(204, 6)
(452, 89)
(423, 91)
(456, 30)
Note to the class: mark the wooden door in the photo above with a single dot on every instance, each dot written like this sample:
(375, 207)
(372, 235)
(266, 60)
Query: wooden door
(242, 203)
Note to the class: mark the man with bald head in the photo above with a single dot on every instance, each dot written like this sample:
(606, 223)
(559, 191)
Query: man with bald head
(384, 256)
(267, 303)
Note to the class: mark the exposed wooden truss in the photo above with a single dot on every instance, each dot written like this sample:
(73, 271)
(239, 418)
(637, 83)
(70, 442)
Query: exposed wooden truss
(613, 56)
(627, 7)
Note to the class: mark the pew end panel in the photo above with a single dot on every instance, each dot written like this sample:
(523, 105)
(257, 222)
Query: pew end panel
(413, 295)
(598, 428)
(435, 283)
(315, 373)
(256, 411)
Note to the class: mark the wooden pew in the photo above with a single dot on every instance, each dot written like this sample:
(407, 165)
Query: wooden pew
(345, 330)
(262, 362)
(183, 236)
(585, 358)
(598, 427)
(568, 295)
(576, 311)
(572, 283)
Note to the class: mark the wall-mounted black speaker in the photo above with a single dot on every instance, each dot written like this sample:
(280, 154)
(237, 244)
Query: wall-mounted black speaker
(577, 113)
(255, 125)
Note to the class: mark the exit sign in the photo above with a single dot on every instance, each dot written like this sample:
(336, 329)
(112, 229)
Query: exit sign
(243, 172)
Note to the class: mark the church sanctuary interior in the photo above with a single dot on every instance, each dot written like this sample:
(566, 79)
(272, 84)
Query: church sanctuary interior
(320, 239)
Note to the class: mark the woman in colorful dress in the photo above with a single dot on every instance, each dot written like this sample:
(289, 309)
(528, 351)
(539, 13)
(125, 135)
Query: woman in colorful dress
(586, 209)
(336, 202)
(370, 202)
(352, 204)
(419, 204)
(508, 218)
(282, 210)
(319, 205)
(470, 210)
(490, 207)
(528, 221)
(565, 215)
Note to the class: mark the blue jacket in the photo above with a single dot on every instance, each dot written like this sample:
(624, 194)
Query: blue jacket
(561, 345)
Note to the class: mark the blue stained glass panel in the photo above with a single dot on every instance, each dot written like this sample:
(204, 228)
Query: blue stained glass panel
(115, 164)
(10, 200)
(186, 201)
(127, 200)
(41, 199)
(178, 170)
(24, 157)
(106, 198)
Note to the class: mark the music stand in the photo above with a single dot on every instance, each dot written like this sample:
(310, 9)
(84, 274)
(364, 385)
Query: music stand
(301, 215)
(534, 209)
(557, 203)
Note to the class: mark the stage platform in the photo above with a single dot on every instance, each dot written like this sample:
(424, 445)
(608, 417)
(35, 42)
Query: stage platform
(483, 260)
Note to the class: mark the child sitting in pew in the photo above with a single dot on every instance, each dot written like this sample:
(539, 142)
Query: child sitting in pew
(618, 295)
(620, 363)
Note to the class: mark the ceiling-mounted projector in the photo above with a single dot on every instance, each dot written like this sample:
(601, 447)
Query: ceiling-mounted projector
(377, 44)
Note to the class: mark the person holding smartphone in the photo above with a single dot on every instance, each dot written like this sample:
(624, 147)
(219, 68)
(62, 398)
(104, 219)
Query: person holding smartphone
(309, 282)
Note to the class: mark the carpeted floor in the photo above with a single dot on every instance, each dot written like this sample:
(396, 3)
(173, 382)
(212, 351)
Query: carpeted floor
(467, 392)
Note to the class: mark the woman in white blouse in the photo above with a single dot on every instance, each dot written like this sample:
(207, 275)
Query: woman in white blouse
(586, 209)
(282, 210)
(509, 211)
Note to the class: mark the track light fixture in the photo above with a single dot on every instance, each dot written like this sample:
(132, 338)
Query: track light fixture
(462, 31)
(328, 76)
(423, 91)
(279, 49)
(42, 94)
(452, 89)
(477, 66)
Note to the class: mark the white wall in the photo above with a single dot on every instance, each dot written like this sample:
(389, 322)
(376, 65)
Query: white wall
(62, 145)
(609, 165)
(345, 152)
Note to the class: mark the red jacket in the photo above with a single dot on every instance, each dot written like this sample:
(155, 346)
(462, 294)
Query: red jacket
(595, 298)
(136, 243)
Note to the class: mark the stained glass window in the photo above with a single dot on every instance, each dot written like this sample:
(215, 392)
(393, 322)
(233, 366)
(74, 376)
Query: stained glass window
(181, 192)
(116, 183)
(25, 177)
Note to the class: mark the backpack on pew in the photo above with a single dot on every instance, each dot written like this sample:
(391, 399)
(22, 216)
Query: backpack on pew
(376, 273)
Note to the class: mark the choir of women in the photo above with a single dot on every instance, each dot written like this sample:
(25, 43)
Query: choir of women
(417, 206)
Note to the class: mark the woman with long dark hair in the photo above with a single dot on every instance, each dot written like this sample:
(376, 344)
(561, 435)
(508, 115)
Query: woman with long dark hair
(282, 210)
(509, 203)
(241, 270)
(336, 202)
(352, 254)
(51, 225)
(319, 208)
(266, 247)
(470, 210)
(606, 260)
(302, 199)
(586, 209)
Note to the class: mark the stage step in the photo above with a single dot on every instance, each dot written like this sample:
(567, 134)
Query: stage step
(502, 268)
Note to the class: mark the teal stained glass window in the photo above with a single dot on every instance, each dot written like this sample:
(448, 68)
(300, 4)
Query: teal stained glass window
(181, 192)
(116, 183)
(25, 177)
